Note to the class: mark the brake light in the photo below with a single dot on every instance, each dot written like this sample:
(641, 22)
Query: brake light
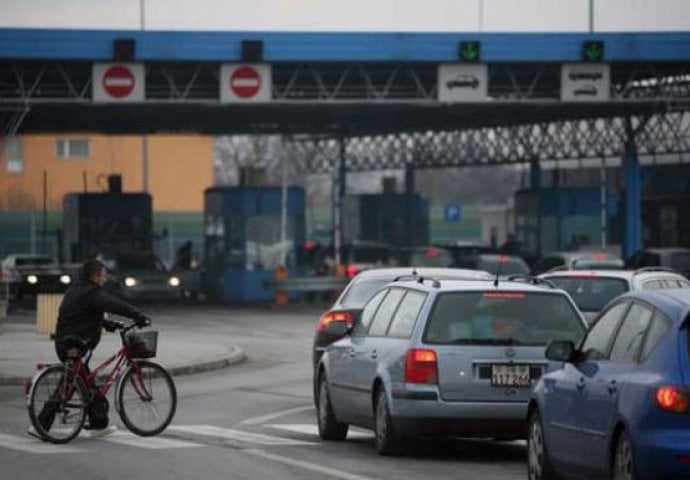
(600, 256)
(309, 245)
(431, 253)
(329, 317)
(421, 366)
(351, 271)
(672, 399)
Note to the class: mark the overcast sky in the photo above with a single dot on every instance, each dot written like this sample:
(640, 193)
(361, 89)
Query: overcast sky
(350, 15)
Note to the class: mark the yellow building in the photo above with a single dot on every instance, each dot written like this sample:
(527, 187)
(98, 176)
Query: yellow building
(179, 168)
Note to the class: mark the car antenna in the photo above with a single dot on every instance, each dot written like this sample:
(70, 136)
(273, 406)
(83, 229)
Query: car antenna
(498, 270)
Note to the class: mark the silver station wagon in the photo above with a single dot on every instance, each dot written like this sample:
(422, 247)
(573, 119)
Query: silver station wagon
(442, 358)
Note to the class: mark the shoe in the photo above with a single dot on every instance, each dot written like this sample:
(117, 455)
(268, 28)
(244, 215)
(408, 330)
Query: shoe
(100, 432)
(95, 426)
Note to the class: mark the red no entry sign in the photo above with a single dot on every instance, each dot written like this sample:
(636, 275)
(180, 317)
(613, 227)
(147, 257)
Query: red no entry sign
(245, 82)
(118, 81)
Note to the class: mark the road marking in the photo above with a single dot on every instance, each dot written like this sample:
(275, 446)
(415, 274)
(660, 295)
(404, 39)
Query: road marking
(313, 467)
(33, 445)
(309, 429)
(238, 435)
(153, 443)
(273, 416)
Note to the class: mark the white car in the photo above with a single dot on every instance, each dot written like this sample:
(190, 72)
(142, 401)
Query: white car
(592, 290)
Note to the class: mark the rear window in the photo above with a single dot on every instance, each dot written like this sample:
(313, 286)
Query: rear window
(362, 290)
(431, 258)
(591, 294)
(509, 266)
(505, 318)
(593, 264)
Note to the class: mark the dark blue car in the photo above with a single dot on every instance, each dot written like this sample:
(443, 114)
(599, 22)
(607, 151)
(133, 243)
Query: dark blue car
(618, 408)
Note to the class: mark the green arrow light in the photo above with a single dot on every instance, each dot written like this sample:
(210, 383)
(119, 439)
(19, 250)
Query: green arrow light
(593, 51)
(469, 51)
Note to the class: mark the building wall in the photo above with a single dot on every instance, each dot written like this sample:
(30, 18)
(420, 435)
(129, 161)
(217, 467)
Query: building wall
(180, 168)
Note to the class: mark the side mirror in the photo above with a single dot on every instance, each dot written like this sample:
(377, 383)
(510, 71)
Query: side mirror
(338, 328)
(560, 350)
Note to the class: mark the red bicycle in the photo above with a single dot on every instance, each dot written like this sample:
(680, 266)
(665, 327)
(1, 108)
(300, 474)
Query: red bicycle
(145, 395)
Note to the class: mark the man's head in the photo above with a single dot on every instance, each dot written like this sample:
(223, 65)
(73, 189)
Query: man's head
(94, 271)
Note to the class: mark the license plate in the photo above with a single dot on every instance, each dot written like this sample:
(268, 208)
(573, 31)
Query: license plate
(510, 376)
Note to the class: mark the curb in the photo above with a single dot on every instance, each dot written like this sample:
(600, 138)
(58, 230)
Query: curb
(235, 357)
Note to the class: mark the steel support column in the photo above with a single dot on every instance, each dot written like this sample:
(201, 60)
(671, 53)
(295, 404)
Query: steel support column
(632, 240)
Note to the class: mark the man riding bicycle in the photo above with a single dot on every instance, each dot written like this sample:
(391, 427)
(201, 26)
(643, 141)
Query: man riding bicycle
(81, 318)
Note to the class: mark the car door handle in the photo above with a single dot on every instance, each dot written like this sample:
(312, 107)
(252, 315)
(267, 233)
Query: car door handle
(374, 354)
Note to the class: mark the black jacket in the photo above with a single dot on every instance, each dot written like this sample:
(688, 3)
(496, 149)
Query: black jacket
(81, 312)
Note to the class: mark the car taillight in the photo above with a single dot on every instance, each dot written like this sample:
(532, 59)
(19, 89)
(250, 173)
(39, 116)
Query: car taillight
(672, 399)
(421, 366)
(329, 317)
(351, 271)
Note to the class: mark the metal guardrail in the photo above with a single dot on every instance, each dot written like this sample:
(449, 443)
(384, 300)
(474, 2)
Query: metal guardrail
(307, 284)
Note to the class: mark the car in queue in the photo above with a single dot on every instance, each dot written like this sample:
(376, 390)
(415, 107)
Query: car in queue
(143, 277)
(578, 261)
(618, 407)
(496, 264)
(429, 357)
(425, 256)
(27, 273)
(669, 257)
(592, 290)
(362, 287)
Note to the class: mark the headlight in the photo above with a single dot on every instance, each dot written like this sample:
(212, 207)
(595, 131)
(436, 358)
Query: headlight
(130, 282)
(174, 282)
(65, 279)
(32, 279)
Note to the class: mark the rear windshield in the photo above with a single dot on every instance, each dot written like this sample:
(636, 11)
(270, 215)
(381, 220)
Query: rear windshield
(593, 264)
(591, 294)
(509, 266)
(502, 318)
(362, 290)
(431, 258)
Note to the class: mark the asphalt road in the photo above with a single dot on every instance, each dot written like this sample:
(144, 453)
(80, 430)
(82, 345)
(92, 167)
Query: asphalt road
(251, 421)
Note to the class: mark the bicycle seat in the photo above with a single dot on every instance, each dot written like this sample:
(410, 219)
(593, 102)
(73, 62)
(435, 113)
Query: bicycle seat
(74, 346)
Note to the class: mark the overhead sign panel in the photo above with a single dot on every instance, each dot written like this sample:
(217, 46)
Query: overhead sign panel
(118, 82)
(462, 83)
(245, 83)
(585, 82)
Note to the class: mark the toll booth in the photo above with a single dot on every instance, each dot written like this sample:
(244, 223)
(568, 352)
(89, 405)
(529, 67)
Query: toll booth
(398, 219)
(243, 240)
(551, 219)
(106, 223)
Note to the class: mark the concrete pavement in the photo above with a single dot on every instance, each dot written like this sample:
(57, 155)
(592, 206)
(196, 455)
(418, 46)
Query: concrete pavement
(179, 351)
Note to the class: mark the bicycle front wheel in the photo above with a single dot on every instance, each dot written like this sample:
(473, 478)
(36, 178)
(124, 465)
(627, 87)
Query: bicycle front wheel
(146, 398)
(57, 404)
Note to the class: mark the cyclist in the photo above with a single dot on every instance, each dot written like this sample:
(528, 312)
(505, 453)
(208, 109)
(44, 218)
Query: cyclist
(81, 316)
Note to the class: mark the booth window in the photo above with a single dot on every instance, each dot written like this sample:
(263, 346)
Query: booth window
(72, 148)
(14, 156)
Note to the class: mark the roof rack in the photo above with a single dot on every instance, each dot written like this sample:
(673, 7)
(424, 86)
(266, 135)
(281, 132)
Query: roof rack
(531, 280)
(655, 269)
(419, 279)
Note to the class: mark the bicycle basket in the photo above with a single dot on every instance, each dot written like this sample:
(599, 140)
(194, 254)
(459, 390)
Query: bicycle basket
(142, 344)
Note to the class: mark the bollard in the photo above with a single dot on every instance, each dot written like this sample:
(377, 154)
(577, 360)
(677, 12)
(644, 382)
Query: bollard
(281, 297)
(47, 306)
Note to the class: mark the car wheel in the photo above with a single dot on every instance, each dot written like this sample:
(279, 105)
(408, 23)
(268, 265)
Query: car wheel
(623, 459)
(538, 463)
(329, 427)
(386, 439)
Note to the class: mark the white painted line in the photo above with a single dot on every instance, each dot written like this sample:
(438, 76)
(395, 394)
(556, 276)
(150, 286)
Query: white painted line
(34, 445)
(118, 82)
(273, 416)
(237, 435)
(246, 82)
(312, 467)
(313, 430)
(152, 443)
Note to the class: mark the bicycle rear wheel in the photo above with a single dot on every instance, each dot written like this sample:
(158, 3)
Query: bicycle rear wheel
(57, 404)
(146, 398)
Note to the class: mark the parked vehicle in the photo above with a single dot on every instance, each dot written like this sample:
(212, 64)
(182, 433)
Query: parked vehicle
(675, 258)
(618, 407)
(427, 256)
(495, 264)
(441, 357)
(578, 261)
(26, 273)
(592, 290)
(363, 286)
(143, 276)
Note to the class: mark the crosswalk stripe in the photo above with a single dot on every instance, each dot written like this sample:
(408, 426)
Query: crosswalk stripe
(309, 429)
(152, 443)
(238, 435)
(34, 445)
